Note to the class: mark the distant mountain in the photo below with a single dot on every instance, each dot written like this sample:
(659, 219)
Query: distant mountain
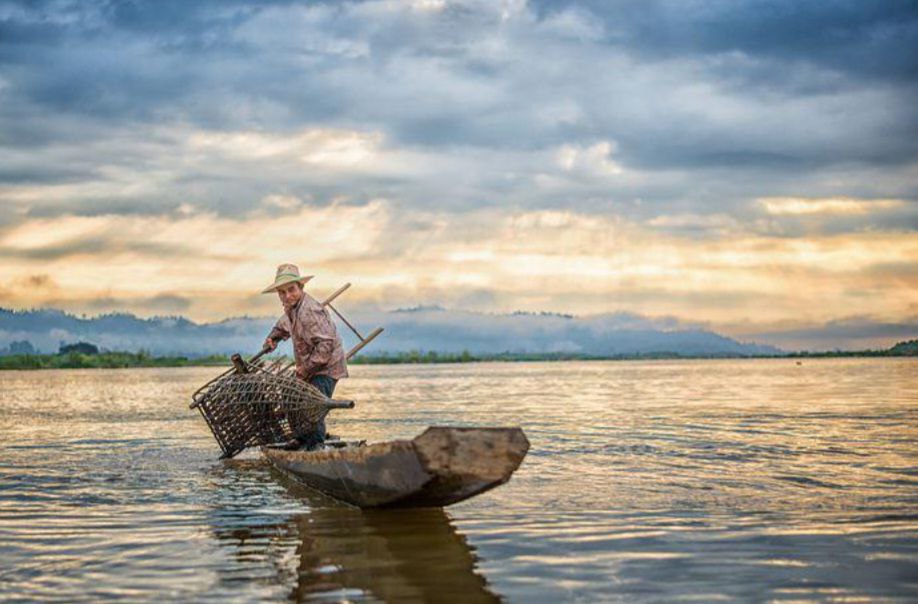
(421, 328)
(47, 329)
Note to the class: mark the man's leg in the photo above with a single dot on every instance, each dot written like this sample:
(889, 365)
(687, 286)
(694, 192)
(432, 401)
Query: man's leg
(326, 386)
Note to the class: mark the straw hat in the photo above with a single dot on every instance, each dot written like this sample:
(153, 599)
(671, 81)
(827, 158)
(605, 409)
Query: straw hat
(286, 273)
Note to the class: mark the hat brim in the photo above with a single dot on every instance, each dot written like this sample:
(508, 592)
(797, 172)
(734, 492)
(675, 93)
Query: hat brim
(284, 281)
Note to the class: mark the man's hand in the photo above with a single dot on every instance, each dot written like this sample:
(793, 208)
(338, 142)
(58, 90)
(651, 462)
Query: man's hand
(269, 345)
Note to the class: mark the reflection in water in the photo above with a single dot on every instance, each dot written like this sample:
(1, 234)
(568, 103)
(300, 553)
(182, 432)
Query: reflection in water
(335, 551)
(736, 480)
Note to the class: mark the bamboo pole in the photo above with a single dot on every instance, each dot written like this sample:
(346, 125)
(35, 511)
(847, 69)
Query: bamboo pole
(364, 342)
(337, 293)
(346, 322)
(327, 302)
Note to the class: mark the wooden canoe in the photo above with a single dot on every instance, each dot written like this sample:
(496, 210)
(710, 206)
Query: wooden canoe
(440, 467)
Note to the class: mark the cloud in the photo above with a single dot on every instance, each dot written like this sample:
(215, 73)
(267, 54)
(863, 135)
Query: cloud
(40, 281)
(846, 36)
(702, 224)
(322, 148)
(802, 216)
(158, 305)
(848, 333)
(489, 260)
(595, 159)
(702, 160)
(795, 206)
(455, 76)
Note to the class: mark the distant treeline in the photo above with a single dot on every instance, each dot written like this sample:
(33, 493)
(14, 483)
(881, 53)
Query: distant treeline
(103, 360)
(79, 357)
(415, 356)
(909, 348)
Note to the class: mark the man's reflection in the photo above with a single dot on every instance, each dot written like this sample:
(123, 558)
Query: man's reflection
(339, 552)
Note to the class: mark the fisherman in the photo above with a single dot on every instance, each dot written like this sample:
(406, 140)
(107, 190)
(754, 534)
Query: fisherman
(317, 348)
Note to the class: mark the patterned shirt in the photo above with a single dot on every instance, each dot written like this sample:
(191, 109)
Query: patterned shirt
(316, 345)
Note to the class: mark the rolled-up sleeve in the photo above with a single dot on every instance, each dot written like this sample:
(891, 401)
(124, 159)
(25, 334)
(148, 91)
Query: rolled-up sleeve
(281, 329)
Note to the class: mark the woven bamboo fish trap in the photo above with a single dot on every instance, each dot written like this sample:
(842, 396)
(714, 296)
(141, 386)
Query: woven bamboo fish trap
(254, 404)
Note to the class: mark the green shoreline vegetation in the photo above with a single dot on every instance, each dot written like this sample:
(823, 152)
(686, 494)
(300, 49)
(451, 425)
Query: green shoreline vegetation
(105, 360)
(88, 359)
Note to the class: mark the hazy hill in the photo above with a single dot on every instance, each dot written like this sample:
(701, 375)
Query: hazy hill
(423, 328)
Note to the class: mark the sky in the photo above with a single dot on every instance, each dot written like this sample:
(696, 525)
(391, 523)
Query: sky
(750, 167)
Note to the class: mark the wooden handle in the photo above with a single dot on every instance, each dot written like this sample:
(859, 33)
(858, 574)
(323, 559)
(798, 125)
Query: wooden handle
(364, 342)
(239, 364)
(263, 352)
(336, 404)
(346, 322)
(337, 293)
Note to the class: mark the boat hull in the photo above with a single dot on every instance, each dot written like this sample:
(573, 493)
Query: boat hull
(440, 467)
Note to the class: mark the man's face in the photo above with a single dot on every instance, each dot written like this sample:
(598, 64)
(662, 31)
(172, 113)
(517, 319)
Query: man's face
(290, 294)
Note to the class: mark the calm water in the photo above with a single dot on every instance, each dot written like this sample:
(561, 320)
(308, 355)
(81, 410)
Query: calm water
(646, 481)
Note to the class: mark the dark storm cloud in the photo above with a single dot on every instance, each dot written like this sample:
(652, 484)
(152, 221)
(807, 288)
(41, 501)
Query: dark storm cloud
(93, 246)
(872, 39)
(718, 103)
(36, 174)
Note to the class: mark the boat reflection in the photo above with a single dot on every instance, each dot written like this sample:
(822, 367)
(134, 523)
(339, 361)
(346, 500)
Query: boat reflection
(337, 552)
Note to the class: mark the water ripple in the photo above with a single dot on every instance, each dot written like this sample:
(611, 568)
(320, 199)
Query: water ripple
(649, 481)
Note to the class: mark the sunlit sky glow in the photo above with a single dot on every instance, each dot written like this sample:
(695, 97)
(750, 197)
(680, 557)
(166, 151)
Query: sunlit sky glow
(749, 167)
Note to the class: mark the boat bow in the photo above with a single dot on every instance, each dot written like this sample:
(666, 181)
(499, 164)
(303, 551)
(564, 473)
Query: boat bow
(439, 467)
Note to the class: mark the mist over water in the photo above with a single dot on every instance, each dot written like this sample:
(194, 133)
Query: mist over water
(646, 481)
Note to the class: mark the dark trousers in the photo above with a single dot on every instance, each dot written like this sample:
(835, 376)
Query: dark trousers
(326, 386)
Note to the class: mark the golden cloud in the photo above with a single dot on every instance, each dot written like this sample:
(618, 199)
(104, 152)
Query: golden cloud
(802, 206)
(539, 260)
(326, 147)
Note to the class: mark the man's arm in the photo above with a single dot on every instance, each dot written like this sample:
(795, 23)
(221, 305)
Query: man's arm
(280, 331)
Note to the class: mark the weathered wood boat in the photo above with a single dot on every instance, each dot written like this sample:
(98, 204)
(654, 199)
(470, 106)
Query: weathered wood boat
(255, 403)
(440, 467)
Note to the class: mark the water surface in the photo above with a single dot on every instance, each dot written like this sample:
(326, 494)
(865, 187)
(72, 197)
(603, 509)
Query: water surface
(646, 481)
